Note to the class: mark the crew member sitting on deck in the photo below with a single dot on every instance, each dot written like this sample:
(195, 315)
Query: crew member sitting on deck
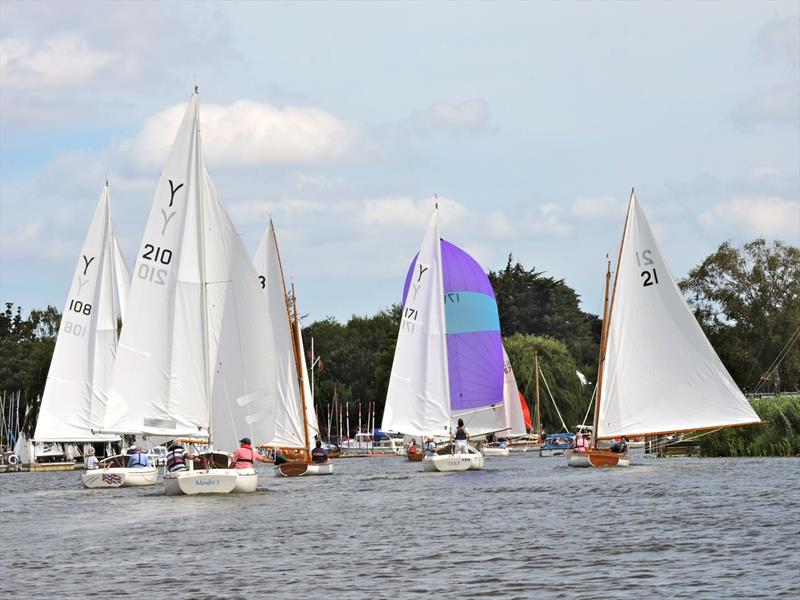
(176, 458)
(430, 447)
(245, 457)
(412, 447)
(319, 454)
(581, 443)
(90, 460)
(461, 438)
(621, 446)
(139, 459)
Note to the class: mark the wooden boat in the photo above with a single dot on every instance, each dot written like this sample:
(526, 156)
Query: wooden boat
(658, 372)
(299, 468)
(415, 456)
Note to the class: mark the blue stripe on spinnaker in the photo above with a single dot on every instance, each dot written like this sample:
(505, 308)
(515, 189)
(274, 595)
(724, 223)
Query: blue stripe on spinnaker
(467, 312)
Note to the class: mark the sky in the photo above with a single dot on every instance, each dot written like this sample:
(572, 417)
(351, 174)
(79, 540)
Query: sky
(531, 121)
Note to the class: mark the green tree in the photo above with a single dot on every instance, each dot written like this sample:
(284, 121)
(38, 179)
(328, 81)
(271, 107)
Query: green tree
(558, 367)
(748, 302)
(530, 303)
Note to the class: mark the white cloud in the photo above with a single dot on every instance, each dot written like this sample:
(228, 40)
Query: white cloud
(781, 38)
(405, 213)
(470, 116)
(247, 133)
(596, 208)
(65, 60)
(768, 217)
(780, 106)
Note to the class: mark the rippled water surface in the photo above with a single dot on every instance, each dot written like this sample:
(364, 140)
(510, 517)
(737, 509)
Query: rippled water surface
(379, 528)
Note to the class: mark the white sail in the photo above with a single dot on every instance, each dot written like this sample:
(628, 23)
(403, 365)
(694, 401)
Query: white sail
(285, 384)
(660, 372)
(418, 398)
(512, 409)
(74, 399)
(123, 278)
(192, 350)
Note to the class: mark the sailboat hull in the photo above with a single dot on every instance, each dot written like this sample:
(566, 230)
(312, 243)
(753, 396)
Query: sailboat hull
(300, 469)
(470, 460)
(415, 456)
(246, 481)
(494, 451)
(115, 477)
(597, 458)
(212, 481)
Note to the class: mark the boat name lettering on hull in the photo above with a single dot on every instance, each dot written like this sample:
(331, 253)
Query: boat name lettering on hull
(206, 482)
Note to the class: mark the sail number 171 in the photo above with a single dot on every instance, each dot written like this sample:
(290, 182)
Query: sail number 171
(650, 276)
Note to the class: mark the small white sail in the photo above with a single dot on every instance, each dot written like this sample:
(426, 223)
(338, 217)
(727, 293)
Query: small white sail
(123, 277)
(418, 398)
(660, 373)
(285, 383)
(192, 351)
(74, 398)
(512, 409)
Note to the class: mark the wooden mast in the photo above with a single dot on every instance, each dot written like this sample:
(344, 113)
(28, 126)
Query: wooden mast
(607, 311)
(538, 405)
(297, 359)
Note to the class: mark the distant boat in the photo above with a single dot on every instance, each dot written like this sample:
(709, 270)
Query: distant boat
(448, 363)
(658, 372)
(191, 359)
(295, 423)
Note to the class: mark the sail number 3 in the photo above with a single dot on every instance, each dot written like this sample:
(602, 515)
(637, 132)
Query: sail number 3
(155, 254)
(650, 276)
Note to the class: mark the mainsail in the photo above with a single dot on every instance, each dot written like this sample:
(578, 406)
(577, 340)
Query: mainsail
(287, 431)
(191, 357)
(465, 365)
(660, 373)
(75, 394)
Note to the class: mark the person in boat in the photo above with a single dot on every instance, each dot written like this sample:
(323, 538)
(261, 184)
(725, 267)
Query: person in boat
(581, 443)
(245, 457)
(319, 454)
(412, 447)
(90, 462)
(139, 459)
(430, 447)
(462, 438)
(279, 457)
(621, 446)
(177, 457)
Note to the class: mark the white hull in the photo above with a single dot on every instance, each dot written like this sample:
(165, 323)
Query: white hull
(454, 462)
(495, 451)
(115, 477)
(201, 481)
(246, 481)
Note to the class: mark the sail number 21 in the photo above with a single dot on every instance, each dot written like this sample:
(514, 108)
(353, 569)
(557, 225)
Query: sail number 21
(649, 275)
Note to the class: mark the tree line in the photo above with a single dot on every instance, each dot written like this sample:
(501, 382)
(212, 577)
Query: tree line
(746, 299)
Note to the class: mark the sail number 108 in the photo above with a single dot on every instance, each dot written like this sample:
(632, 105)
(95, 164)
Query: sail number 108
(650, 276)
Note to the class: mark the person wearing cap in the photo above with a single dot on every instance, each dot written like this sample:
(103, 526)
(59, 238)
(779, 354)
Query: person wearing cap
(139, 459)
(90, 461)
(245, 457)
(177, 457)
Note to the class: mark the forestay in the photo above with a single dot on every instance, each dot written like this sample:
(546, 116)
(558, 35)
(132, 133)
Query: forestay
(74, 399)
(660, 372)
(193, 351)
(284, 387)
(418, 398)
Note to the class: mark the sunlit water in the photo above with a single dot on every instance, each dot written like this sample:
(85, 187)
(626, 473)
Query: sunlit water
(380, 528)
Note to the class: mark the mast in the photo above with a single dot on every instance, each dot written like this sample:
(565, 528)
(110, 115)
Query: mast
(538, 405)
(440, 302)
(203, 276)
(296, 345)
(607, 311)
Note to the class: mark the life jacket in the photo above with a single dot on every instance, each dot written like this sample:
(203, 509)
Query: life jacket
(461, 434)
(241, 459)
(319, 455)
(176, 461)
(138, 460)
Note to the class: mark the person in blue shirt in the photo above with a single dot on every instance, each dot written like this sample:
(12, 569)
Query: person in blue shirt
(139, 459)
(319, 454)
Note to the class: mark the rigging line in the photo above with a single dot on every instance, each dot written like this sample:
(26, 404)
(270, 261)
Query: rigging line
(784, 352)
(589, 408)
(553, 401)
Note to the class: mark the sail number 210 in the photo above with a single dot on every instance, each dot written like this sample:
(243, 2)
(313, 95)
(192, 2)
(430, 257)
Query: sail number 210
(157, 255)
(650, 276)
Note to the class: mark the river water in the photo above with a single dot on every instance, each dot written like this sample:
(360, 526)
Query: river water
(524, 527)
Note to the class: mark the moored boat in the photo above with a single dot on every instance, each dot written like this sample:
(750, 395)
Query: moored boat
(113, 472)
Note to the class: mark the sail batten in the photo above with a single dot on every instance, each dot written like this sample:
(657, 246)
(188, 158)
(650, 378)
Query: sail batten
(660, 372)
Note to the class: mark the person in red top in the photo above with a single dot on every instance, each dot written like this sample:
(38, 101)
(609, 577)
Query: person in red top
(245, 457)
